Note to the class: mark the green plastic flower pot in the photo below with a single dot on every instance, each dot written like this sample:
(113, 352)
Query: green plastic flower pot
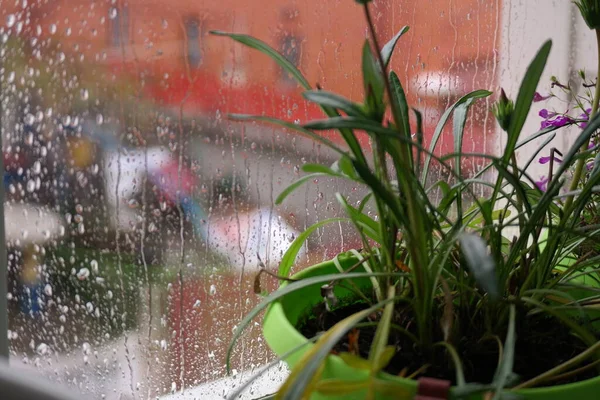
(279, 329)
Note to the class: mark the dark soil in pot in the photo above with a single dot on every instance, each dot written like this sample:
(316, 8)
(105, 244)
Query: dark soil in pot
(542, 343)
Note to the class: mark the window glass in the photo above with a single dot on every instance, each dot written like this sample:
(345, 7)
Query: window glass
(137, 213)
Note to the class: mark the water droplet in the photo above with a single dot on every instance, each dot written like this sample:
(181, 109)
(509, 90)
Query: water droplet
(48, 290)
(197, 304)
(94, 265)
(83, 274)
(152, 227)
(29, 119)
(133, 203)
(213, 290)
(80, 228)
(11, 77)
(10, 20)
(164, 24)
(89, 306)
(61, 57)
(85, 94)
(30, 185)
(112, 13)
(52, 29)
(99, 119)
(253, 146)
(79, 208)
(42, 349)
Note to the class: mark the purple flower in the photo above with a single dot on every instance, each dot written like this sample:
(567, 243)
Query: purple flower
(542, 184)
(557, 122)
(584, 117)
(546, 160)
(589, 165)
(538, 97)
(544, 113)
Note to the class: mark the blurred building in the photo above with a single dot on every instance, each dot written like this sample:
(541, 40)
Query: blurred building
(165, 50)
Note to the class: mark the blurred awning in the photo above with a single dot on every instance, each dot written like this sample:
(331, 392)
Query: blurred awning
(30, 224)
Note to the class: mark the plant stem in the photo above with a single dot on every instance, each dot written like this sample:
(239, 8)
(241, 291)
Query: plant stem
(560, 368)
(581, 162)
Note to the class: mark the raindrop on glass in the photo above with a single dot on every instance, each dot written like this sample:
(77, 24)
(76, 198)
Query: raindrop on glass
(10, 20)
(83, 274)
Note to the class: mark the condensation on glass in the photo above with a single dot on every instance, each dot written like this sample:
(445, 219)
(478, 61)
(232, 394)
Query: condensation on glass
(137, 214)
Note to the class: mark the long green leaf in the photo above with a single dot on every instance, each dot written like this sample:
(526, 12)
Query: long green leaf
(362, 222)
(388, 48)
(333, 100)
(269, 51)
(373, 83)
(505, 369)
(525, 98)
(289, 125)
(296, 184)
(399, 97)
(289, 257)
(458, 130)
(440, 127)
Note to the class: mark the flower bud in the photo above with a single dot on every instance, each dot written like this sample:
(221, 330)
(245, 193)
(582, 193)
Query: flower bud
(590, 11)
(503, 110)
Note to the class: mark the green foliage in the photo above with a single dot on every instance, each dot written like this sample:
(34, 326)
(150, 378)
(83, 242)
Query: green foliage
(590, 11)
(457, 252)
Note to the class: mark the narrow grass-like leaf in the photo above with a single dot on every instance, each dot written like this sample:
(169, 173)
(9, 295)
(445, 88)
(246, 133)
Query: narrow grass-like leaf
(296, 184)
(458, 130)
(264, 48)
(388, 48)
(363, 222)
(460, 375)
(333, 100)
(442, 123)
(289, 257)
(318, 169)
(505, 369)
(289, 125)
(480, 263)
(525, 98)
(399, 97)
(380, 341)
(373, 83)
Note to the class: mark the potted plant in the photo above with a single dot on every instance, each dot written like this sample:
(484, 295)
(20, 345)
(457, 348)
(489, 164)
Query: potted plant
(441, 302)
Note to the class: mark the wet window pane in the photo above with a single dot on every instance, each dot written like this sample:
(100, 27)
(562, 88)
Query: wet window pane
(137, 213)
